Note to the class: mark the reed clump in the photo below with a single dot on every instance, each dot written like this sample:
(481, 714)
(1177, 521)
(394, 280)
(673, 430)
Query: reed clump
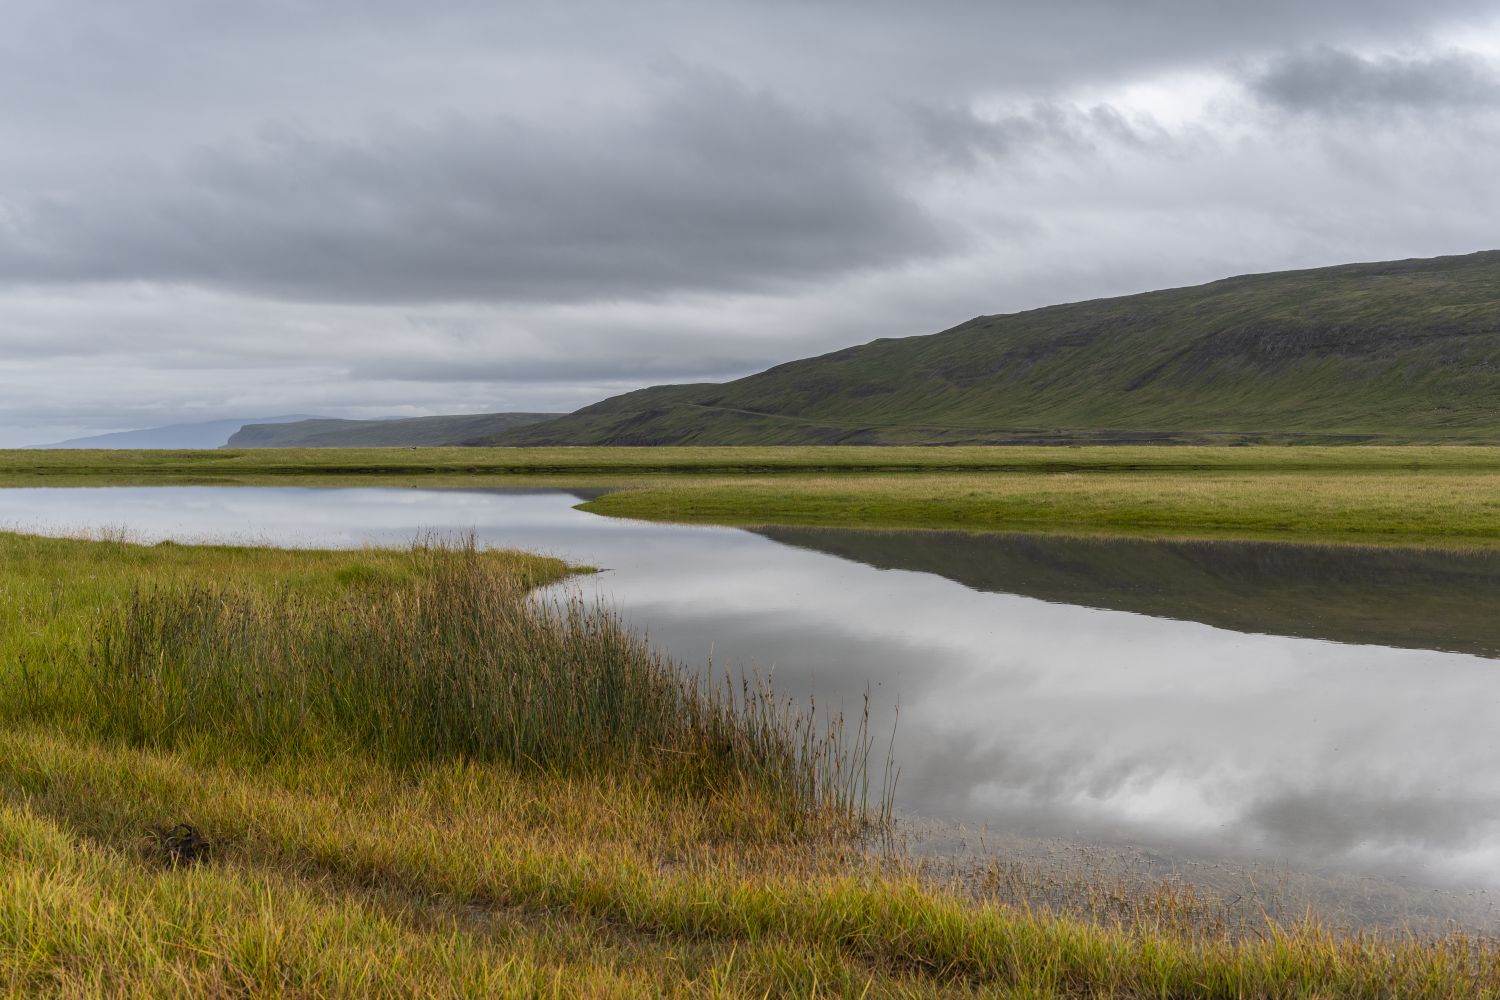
(456, 661)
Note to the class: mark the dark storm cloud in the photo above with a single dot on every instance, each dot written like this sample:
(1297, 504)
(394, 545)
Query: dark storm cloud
(713, 187)
(1332, 80)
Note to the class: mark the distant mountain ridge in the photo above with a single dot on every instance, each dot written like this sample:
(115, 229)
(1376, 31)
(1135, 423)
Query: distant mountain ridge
(320, 432)
(1400, 350)
(207, 434)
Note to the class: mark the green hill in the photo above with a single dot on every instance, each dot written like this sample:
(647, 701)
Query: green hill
(465, 428)
(1404, 350)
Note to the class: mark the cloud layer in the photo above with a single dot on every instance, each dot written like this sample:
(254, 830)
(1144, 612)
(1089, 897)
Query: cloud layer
(366, 208)
(710, 187)
(1341, 82)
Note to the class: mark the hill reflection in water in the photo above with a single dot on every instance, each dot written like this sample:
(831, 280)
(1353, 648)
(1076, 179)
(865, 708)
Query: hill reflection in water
(1406, 598)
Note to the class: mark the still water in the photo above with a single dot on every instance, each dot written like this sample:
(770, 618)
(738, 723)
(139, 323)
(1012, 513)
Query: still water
(1328, 708)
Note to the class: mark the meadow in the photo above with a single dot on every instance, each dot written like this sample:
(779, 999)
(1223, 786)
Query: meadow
(255, 772)
(1444, 496)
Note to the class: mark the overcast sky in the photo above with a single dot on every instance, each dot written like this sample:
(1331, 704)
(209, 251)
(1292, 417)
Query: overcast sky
(373, 207)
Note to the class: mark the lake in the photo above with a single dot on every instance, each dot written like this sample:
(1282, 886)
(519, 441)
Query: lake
(1327, 708)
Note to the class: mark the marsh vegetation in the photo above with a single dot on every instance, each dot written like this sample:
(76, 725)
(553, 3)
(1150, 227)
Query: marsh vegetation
(397, 775)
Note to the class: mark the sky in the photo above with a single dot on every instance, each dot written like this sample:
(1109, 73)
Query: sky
(370, 208)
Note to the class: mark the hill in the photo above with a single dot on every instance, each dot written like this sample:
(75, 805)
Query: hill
(1403, 350)
(408, 432)
(208, 434)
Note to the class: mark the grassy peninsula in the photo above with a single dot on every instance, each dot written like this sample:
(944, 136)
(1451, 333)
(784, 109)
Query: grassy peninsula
(231, 771)
(1446, 496)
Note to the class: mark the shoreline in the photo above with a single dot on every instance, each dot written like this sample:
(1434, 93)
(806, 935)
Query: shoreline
(1101, 881)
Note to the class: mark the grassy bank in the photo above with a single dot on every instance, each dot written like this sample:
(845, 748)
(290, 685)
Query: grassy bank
(402, 779)
(269, 466)
(1394, 507)
(427, 654)
(1422, 496)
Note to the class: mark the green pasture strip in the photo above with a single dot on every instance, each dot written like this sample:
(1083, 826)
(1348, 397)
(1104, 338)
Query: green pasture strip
(1446, 497)
(584, 466)
(1423, 508)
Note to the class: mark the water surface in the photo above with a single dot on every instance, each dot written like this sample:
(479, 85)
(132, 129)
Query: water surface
(1046, 687)
(1414, 598)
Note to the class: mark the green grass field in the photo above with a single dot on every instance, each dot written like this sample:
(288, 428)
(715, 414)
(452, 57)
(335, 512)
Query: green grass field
(1415, 495)
(402, 779)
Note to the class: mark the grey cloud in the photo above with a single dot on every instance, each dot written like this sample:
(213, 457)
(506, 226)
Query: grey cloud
(962, 138)
(211, 205)
(712, 187)
(602, 361)
(1335, 81)
(155, 73)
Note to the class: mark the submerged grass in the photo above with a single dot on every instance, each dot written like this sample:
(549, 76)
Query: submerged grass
(403, 776)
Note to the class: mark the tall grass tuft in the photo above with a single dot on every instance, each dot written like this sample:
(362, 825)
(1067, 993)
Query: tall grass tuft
(453, 660)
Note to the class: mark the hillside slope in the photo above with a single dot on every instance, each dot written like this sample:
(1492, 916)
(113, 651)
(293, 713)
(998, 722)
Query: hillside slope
(408, 432)
(1404, 350)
